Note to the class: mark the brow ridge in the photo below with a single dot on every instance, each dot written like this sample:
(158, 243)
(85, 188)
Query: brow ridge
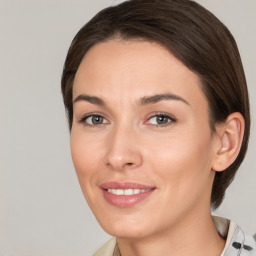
(159, 97)
(90, 99)
(146, 100)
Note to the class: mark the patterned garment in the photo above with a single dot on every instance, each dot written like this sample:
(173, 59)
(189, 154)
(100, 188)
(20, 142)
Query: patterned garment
(237, 242)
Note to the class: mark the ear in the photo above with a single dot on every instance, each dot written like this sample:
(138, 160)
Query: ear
(230, 136)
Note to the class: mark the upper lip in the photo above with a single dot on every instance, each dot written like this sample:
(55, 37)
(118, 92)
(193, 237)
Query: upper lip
(124, 185)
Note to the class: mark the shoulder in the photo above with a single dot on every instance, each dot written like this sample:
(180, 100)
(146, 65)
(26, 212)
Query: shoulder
(107, 249)
(241, 243)
(237, 241)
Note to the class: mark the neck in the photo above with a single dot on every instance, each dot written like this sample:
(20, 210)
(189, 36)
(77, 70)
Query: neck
(193, 235)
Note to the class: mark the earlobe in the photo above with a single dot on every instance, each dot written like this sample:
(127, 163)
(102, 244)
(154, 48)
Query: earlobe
(230, 134)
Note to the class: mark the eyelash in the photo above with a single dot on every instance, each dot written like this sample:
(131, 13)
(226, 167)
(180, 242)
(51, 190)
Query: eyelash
(155, 115)
(164, 115)
(85, 118)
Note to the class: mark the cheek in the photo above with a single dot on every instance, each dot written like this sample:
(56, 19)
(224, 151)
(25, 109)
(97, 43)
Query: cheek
(182, 170)
(86, 159)
(183, 160)
(85, 156)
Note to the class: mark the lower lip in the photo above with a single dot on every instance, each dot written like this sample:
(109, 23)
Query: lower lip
(125, 201)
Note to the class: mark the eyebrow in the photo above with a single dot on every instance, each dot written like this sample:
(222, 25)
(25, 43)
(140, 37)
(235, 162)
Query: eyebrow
(146, 100)
(159, 97)
(88, 98)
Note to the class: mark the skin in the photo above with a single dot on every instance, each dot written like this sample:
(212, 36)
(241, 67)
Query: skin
(129, 144)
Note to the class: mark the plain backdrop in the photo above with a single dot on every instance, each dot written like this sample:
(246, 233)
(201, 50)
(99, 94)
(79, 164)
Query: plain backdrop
(42, 210)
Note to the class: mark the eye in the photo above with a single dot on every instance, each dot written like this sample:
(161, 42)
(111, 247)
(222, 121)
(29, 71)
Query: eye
(93, 120)
(161, 120)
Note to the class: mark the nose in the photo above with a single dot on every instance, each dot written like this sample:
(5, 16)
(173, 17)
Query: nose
(123, 150)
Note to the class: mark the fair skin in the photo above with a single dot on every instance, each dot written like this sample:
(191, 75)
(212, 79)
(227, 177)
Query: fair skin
(140, 117)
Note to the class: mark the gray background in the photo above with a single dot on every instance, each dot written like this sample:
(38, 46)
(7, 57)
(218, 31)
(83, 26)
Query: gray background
(42, 209)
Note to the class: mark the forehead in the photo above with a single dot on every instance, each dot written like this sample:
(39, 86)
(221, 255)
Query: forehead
(134, 68)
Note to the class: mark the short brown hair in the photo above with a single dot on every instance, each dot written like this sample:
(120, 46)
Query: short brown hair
(194, 36)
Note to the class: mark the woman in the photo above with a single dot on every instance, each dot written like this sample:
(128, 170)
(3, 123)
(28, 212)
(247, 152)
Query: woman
(158, 111)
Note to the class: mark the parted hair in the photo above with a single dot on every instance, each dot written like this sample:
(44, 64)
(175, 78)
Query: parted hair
(195, 37)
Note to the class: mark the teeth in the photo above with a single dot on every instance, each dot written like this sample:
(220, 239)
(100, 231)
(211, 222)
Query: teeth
(127, 192)
(119, 192)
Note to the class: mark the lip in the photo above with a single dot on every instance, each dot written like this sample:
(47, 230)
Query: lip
(125, 201)
(124, 185)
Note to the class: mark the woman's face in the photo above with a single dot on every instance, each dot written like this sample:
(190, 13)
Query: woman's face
(140, 141)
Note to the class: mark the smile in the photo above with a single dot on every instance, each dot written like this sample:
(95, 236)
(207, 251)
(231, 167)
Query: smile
(127, 192)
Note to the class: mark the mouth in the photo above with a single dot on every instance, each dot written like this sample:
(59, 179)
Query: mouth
(126, 194)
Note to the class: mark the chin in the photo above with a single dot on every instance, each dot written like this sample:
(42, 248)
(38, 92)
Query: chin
(127, 226)
(127, 232)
